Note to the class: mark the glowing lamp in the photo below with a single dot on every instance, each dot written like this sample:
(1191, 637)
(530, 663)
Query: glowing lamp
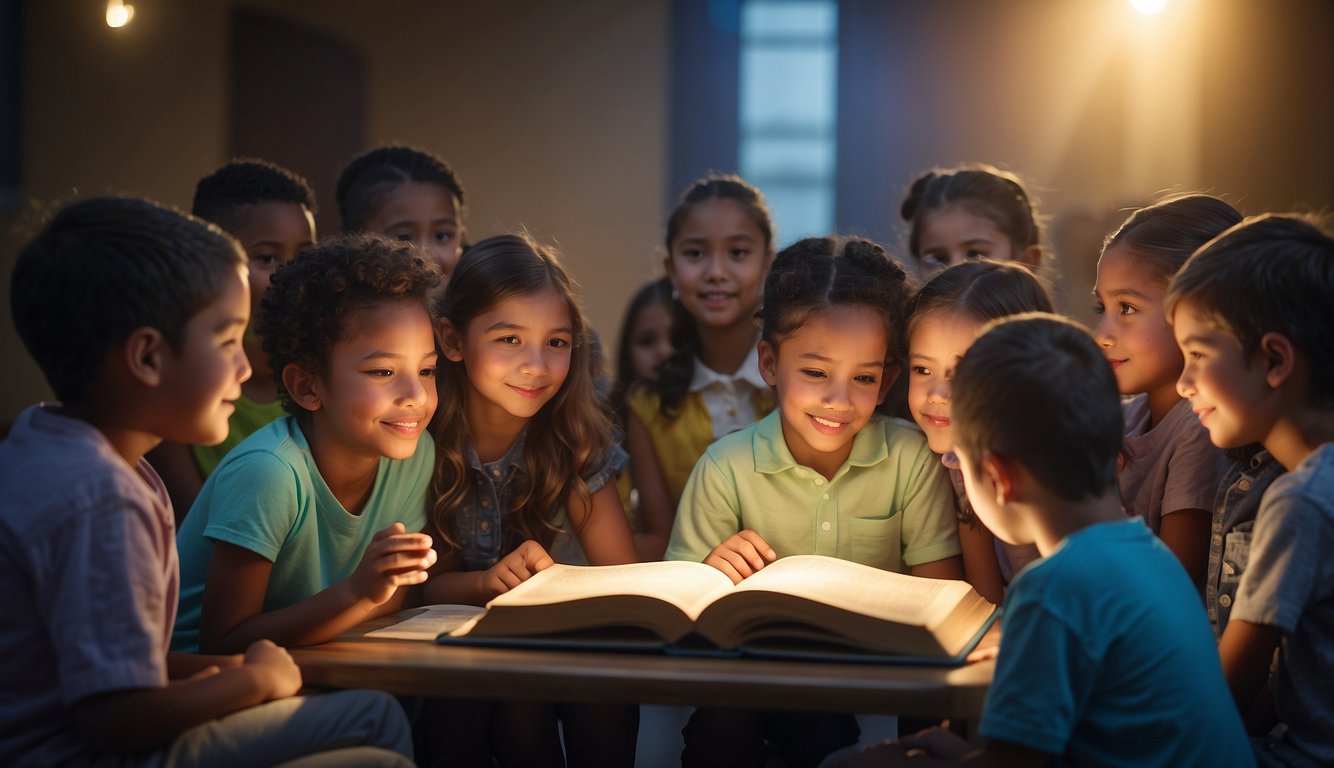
(118, 13)
(1148, 7)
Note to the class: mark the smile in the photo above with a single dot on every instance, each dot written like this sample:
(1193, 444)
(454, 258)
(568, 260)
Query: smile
(529, 392)
(1115, 363)
(828, 426)
(939, 422)
(407, 428)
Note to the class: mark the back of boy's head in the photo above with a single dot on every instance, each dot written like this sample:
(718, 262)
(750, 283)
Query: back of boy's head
(312, 300)
(243, 182)
(1269, 274)
(722, 187)
(983, 290)
(103, 267)
(1162, 236)
(1035, 389)
(817, 273)
(982, 190)
(365, 180)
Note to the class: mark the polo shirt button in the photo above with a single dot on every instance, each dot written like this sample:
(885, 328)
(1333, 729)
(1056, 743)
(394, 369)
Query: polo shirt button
(1225, 600)
(825, 526)
(1244, 485)
(1217, 539)
(826, 497)
(819, 481)
(495, 473)
(485, 525)
(801, 473)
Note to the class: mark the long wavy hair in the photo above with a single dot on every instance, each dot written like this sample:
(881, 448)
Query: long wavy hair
(566, 440)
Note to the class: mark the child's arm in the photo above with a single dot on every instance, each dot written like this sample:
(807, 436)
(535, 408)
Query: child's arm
(174, 464)
(937, 746)
(656, 514)
(450, 584)
(945, 568)
(604, 532)
(233, 613)
(184, 665)
(135, 720)
(980, 567)
(1186, 533)
(1247, 651)
(741, 555)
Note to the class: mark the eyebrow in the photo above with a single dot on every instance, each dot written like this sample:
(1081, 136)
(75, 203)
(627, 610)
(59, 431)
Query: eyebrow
(504, 325)
(433, 222)
(824, 359)
(1121, 292)
(226, 325)
(701, 239)
(1196, 338)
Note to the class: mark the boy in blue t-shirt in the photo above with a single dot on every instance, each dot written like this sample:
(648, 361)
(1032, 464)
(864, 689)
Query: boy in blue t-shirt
(135, 315)
(1247, 312)
(1106, 656)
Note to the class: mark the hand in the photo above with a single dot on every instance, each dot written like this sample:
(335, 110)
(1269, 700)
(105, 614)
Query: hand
(515, 568)
(742, 554)
(392, 560)
(279, 674)
(936, 742)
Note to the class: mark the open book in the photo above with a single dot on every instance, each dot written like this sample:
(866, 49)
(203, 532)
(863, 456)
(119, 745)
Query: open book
(805, 606)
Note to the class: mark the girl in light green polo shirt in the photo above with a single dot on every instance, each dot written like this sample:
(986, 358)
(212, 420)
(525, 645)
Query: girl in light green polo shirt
(823, 474)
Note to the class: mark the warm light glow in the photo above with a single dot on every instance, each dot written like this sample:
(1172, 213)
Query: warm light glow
(118, 13)
(1149, 6)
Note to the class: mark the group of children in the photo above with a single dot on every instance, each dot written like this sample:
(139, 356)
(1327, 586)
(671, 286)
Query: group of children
(392, 416)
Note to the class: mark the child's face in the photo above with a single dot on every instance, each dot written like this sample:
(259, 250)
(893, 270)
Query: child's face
(517, 355)
(425, 214)
(1133, 333)
(650, 339)
(937, 344)
(272, 233)
(829, 375)
(201, 379)
(952, 235)
(378, 391)
(1225, 389)
(717, 264)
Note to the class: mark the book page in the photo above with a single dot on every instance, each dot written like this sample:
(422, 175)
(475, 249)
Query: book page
(895, 597)
(687, 585)
(430, 623)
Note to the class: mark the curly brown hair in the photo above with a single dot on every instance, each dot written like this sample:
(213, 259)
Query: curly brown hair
(311, 299)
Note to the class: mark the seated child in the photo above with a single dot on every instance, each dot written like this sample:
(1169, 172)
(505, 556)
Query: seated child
(1086, 674)
(1247, 311)
(824, 474)
(135, 314)
(311, 525)
(943, 319)
(271, 211)
(1169, 471)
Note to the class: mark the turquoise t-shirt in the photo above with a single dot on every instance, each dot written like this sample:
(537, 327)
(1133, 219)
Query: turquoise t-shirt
(1107, 659)
(889, 506)
(267, 496)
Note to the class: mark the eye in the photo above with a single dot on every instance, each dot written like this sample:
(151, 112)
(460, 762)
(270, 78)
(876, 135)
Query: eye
(427, 373)
(812, 373)
(1128, 309)
(919, 370)
(264, 259)
(444, 236)
(739, 254)
(1098, 308)
(865, 378)
(692, 254)
(974, 253)
(403, 237)
(379, 373)
(508, 340)
(558, 343)
(934, 259)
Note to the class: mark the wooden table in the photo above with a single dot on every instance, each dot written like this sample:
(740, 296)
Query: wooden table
(424, 668)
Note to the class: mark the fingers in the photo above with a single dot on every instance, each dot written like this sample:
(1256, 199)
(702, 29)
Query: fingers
(535, 558)
(741, 555)
(394, 528)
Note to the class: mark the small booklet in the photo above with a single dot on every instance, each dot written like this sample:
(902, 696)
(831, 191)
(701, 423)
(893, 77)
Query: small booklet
(804, 606)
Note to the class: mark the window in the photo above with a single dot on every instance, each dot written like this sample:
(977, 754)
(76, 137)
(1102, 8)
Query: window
(788, 112)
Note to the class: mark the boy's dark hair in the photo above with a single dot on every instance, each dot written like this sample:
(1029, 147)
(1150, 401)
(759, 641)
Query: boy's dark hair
(103, 267)
(1035, 388)
(817, 273)
(248, 181)
(1163, 235)
(1270, 273)
(312, 299)
(983, 190)
(678, 370)
(364, 181)
(982, 289)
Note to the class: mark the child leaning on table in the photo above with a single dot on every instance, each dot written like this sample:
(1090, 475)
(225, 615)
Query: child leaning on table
(1086, 674)
(824, 474)
(1247, 311)
(312, 524)
(135, 315)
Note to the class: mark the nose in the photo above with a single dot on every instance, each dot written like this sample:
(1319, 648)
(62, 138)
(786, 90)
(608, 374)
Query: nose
(412, 389)
(1186, 382)
(713, 268)
(837, 396)
(243, 369)
(938, 390)
(533, 361)
(1103, 332)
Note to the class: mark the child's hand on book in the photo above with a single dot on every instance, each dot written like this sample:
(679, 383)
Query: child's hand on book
(742, 554)
(515, 568)
(278, 673)
(393, 559)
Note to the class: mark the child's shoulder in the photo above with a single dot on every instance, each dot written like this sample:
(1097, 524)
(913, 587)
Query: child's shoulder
(1312, 482)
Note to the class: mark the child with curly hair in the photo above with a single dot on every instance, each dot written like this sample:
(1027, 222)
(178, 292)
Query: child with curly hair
(311, 525)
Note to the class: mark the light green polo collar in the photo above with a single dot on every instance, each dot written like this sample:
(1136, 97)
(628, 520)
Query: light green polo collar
(869, 446)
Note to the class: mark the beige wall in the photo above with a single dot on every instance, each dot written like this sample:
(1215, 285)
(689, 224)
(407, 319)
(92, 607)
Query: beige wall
(555, 114)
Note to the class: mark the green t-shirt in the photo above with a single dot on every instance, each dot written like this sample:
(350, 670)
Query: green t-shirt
(889, 506)
(248, 417)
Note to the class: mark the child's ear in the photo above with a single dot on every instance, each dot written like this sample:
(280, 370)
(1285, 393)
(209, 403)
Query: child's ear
(303, 386)
(449, 339)
(1032, 256)
(142, 353)
(768, 359)
(891, 375)
(1280, 357)
(999, 476)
